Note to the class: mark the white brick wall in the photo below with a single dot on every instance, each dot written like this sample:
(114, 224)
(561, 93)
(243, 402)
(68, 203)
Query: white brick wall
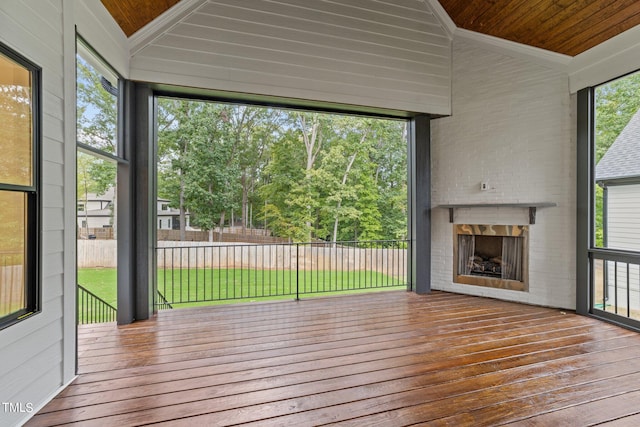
(512, 126)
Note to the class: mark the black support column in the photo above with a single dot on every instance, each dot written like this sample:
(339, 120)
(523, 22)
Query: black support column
(144, 230)
(419, 171)
(125, 204)
(584, 211)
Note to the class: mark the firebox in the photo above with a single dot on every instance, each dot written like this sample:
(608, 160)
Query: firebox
(491, 255)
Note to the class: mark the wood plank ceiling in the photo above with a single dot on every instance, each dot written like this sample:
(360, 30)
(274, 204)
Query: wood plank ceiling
(564, 26)
(131, 15)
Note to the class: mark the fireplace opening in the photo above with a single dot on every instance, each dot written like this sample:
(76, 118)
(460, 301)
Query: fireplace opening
(491, 256)
(494, 256)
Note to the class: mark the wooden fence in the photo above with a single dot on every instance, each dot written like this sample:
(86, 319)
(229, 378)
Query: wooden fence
(12, 296)
(237, 235)
(102, 233)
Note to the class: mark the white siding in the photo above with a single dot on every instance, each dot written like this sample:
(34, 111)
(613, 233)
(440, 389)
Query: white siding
(511, 127)
(99, 29)
(37, 356)
(623, 217)
(31, 367)
(386, 54)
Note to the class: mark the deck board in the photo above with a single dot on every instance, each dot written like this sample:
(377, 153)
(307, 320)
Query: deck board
(392, 358)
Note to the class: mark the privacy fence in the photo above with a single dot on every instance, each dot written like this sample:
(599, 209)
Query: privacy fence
(12, 282)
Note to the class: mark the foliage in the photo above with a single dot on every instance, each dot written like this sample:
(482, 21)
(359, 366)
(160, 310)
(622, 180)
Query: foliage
(303, 175)
(214, 181)
(339, 185)
(97, 118)
(97, 110)
(616, 102)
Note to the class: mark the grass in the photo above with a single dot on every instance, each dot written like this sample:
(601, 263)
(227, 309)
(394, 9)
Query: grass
(100, 281)
(197, 287)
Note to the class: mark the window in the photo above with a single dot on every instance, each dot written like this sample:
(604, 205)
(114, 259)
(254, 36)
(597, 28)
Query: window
(608, 220)
(19, 187)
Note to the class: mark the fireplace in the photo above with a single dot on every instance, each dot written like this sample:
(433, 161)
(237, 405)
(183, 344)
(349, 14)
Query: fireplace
(491, 255)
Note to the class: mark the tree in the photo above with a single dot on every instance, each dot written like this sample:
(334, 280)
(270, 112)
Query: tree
(616, 102)
(390, 158)
(309, 174)
(97, 119)
(93, 175)
(349, 147)
(97, 110)
(290, 192)
(212, 173)
(252, 129)
(281, 177)
(174, 139)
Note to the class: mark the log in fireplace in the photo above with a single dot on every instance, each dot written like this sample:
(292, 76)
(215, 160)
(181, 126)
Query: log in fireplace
(491, 255)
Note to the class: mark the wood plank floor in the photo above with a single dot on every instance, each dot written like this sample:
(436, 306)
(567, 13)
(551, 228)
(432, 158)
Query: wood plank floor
(378, 359)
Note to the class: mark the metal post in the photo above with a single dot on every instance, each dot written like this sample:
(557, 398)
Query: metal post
(584, 210)
(419, 171)
(297, 272)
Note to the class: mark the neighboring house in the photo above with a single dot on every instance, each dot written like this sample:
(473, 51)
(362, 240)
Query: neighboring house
(618, 173)
(96, 211)
(168, 217)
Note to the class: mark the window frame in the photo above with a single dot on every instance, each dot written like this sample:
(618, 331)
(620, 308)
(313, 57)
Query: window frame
(33, 257)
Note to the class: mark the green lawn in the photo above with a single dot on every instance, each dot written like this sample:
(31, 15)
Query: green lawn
(100, 281)
(192, 287)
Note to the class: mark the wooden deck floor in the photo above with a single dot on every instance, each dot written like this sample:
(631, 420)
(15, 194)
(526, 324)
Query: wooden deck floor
(384, 359)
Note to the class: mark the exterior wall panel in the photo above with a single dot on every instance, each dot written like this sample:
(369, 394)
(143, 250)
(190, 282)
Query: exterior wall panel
(623, 217)
(37, 355)
(359, 52)
(31, 351)
(512, 128)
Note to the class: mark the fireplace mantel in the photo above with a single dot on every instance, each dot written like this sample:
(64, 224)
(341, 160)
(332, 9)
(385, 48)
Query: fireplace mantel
(531, 206)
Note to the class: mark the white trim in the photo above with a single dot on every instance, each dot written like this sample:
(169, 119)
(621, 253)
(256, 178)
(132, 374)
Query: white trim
(69, 350)
(613, 58)
(541, 56)
(98, 28)
(46, 401)
(442, 15)
(160, 25)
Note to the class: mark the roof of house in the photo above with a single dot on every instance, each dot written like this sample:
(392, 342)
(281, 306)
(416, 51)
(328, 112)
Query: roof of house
(110, 194)
(622, 160)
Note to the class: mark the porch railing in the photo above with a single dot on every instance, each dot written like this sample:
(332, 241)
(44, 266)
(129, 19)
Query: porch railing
(208, 272)
(93, 309)
(616, 284)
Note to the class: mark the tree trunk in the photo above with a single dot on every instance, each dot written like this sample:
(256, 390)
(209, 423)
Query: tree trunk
(313, 144)
(183, 215)
(221, 227)
(245, 202)
(183, 210)
(344, 181)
